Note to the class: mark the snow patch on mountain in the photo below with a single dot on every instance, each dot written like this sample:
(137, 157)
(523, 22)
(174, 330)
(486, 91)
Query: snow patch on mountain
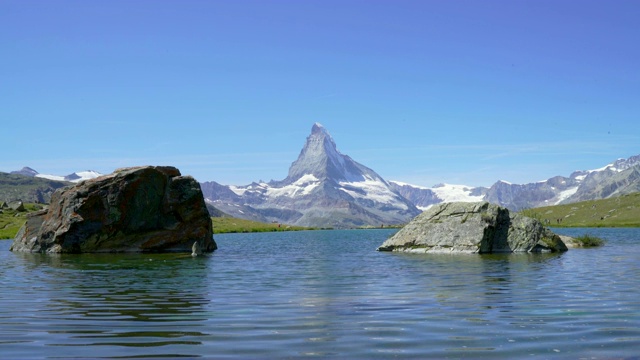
(400, 183)
(301, 187)
(372, 189)
(238, 190)
(82, 175)
(424, 197)
(75, 177)
(617, 166)
(455, 193)
(564, 195)
(50, 177)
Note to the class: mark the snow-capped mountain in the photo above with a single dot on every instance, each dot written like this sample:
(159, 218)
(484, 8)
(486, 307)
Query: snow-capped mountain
(618, 178)
(324, 188)
(73, 177)
(327, 188)
(424, 197)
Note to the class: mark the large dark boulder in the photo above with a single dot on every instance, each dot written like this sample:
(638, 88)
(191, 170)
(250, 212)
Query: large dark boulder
(473, 228)
(139, 209)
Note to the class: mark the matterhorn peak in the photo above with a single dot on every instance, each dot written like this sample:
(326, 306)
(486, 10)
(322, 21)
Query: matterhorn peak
(324, 188)
(320, 134)
(319, 129)
(320, 157)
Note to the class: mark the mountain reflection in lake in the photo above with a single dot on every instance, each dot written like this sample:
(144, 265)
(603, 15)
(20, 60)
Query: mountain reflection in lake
(324, 294)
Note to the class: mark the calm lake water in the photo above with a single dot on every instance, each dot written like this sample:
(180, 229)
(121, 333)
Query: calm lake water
(324, 294)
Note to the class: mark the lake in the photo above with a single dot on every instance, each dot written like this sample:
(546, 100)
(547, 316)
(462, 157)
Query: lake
(324, 294)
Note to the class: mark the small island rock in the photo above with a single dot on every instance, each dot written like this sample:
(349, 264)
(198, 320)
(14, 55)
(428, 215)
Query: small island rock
(139, 209)
(571, 242)
(473, 228)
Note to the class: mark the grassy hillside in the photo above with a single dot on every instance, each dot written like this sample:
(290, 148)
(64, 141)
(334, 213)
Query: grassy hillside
(11, 221)
(622, 211)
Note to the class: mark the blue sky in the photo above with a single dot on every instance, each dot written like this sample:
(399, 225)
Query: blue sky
(463, 92)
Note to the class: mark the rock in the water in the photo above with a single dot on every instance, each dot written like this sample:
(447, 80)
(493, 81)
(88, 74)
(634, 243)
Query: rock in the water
(473, 228)
(571, 242)
(196, 250)
(139, 209)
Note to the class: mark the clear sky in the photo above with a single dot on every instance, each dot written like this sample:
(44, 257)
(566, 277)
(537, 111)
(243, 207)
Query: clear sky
(462, 92)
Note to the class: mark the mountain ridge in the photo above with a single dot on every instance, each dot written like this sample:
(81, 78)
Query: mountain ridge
(323, 188)
(74, 177)
(619, 177)
(321, 172)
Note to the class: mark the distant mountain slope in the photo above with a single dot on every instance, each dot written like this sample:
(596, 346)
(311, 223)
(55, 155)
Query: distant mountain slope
(607, 184)
(623, 210)
(25, 171)
(618, 178)
(323, 188)
(27, 188)
(424, 197)
(28, 185)
(73, 177)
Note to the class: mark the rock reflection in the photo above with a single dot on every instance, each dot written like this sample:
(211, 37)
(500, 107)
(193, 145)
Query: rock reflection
(129, 300)
(478, 288)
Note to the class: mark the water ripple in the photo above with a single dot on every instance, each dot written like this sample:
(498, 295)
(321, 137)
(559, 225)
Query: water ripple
(324, 294)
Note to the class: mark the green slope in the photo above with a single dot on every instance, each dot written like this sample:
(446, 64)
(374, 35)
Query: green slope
(11, 221)
(622, 211)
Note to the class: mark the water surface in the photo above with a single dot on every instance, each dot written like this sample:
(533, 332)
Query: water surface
(321, 294)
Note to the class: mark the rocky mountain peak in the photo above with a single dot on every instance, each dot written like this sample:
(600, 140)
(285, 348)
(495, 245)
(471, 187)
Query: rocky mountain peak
(320, 144)
(624, 164)
(26, 171)
(324, 188)
(319, 129)
(320, 157)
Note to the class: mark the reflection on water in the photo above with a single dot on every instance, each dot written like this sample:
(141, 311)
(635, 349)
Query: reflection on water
(109, 302)
(323, 294)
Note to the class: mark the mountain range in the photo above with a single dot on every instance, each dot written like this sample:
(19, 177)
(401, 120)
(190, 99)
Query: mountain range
(325, 188)
(73, 177)
(30, 186)
(617, 178)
